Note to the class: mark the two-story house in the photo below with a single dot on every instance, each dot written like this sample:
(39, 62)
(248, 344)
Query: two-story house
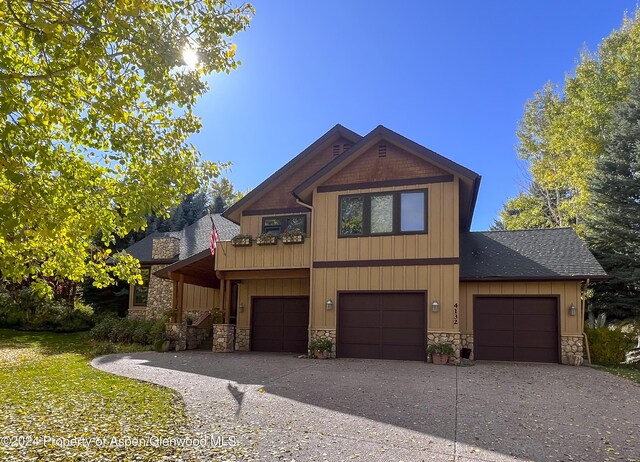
(388, 263)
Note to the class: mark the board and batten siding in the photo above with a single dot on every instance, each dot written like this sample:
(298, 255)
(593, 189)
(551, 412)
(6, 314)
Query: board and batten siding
(440, 281)
(266, 288)
(279, 256)
(441, 240)
(568, 291)
(196, 298)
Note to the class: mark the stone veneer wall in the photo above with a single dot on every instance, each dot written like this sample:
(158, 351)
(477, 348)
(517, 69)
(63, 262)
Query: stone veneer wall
(164, 248)
(196, 336)
(572, 347)
(223, 338)
(325, 333)
(446, 337)
(243, 338)
(177, 333)
(466, 341)
(160, 295)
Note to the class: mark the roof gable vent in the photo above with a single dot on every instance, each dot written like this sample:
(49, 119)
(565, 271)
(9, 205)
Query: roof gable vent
(382, 150)
(336, 150)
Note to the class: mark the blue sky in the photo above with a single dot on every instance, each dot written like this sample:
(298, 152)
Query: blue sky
(452, 76)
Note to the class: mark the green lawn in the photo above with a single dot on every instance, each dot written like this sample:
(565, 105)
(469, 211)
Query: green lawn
(628, 372)
(48, 388)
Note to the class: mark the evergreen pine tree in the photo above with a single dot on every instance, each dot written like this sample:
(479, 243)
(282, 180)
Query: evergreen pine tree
(614, 229)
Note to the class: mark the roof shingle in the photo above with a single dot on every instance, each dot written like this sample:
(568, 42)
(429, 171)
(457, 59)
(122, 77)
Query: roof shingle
(527, 254)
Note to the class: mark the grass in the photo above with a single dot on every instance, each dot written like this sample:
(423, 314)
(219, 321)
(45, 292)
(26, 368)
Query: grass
(631, 372)
(50, 389)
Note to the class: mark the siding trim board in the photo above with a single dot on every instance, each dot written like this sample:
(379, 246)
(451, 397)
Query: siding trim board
(385, 184)
(290, 210)
(534, 278)
(391, 262)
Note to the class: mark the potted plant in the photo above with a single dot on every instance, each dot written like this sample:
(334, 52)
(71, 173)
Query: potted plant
(189, 321)
(440, 352)
(320, 348)
(266, 239)
(241, 240)
(217, 316)
(292, 236)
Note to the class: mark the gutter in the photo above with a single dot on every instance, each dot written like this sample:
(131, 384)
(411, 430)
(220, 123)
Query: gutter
(312, 255)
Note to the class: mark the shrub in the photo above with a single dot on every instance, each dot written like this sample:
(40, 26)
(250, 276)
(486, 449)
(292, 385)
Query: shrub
(24, 309)
(125, 330)
(608, 346)
(320, 344)
(445, 349)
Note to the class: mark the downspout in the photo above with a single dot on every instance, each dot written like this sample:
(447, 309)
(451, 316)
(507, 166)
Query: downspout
(312, 254)
(583, 304)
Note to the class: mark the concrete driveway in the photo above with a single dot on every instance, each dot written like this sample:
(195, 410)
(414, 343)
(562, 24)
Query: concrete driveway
(368, 410)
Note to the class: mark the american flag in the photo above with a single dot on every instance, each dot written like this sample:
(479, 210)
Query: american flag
(214, 237)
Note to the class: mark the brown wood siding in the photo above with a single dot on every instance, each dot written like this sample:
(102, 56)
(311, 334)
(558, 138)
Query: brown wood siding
(196, 298)
(441, 282)
(257, 257)
(267, 288)
(397, 164)
(568, 291)
(442, 240)
(279, 195)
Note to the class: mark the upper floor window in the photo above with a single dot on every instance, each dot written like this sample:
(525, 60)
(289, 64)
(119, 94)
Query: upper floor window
(278, 225)
(383, 213)
(141, 292)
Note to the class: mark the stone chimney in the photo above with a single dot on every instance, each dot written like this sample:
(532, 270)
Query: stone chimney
(165, 248)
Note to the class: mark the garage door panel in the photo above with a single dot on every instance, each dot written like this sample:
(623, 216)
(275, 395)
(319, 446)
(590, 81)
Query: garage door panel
(535, 339)
(369, 335)
(497, 338)
(528, 333)
(280, 324)
(529, 322)
(494, 322)
(401, 319)
(381, 325)
(364, 318)
(402, 336)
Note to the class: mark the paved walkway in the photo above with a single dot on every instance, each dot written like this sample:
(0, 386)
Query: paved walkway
(368, 410)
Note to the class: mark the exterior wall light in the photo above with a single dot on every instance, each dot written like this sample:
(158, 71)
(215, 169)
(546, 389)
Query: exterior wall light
(329, 304)
(241, 307)
(572, 310)
(435, 306)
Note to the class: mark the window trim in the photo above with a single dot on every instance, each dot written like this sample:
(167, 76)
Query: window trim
(304, 220)
(135, 286)
(366, 213)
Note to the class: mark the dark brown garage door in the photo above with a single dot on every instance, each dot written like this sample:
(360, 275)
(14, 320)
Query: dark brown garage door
(381, 325)
(280, 324)
(516, 329)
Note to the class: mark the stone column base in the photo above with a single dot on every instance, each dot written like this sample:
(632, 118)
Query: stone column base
(454, 338)
(325, 333)
(177, 332)
(466, 341)
(243, 338)
(223, 338)
(572, 347)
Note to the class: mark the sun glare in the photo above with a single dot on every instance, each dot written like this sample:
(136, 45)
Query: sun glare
(190, 57)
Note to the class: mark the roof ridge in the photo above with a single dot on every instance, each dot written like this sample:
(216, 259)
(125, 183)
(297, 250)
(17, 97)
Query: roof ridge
(563, 228)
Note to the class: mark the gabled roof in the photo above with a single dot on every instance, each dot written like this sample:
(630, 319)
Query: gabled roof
(470, 180)
(193, 239)
(542, 254)
(338, 131)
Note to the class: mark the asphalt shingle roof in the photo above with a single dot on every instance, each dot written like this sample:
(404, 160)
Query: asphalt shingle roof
(193, 239)
(527, 254)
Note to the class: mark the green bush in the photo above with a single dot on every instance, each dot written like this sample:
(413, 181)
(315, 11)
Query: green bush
(24, 309)
(608, 346)
(117, 330)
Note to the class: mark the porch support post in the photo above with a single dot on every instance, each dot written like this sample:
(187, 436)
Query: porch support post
(180, 297)
(227, 302)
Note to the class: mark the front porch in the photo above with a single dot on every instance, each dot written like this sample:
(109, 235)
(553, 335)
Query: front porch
(213, 309)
